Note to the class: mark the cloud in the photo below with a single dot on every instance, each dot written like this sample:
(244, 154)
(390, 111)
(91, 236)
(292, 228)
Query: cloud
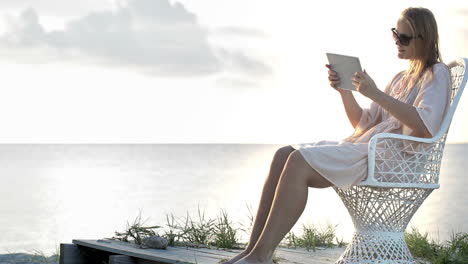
(235, 83)
(239, 62)
(153, 36)
(247, 32)
(57, 8)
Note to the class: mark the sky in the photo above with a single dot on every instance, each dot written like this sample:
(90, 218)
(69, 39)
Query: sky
(208, 71)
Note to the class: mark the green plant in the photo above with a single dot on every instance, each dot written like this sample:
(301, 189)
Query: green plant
(453, 251)
(326, 236)
(171, 236)
(135, 231)
(313, 237)
(197, 232)
(224, 233)
(247, 228)
(308, 238)
(39, 256)
(340, 242)
(419, 245)
(290, 240)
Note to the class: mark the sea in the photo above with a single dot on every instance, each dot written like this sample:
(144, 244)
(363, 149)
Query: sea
(54, 193)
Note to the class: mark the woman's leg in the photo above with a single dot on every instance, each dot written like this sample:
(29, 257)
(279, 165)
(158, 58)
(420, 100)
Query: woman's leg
(266, 199)
(289, 202)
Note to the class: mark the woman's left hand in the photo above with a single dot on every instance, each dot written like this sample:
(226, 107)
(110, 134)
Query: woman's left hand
(364, 84)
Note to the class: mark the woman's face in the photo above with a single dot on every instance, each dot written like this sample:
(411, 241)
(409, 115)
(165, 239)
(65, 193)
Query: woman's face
(409, 51)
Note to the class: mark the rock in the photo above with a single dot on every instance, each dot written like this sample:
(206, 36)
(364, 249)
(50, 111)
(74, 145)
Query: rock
(155, 242)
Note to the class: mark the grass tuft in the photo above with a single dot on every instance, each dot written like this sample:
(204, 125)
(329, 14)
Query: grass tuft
(453, 251)
(419, 244)
(136, 231)
(197, 233)
(312, 238)
(171, 236)
(224, 233)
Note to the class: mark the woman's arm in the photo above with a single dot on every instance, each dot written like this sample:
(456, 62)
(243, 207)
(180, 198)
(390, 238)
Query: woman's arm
(353, 110)
(404, 112)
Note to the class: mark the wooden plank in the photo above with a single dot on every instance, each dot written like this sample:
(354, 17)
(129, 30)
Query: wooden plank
(170, 255)
(71, 254)
(205, 255)
(121, 259)
(302, 256)
(288, 255)
(229, 253)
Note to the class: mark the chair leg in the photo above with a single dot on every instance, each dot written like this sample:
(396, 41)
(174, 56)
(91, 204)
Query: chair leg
(380, 217)
(377, 247)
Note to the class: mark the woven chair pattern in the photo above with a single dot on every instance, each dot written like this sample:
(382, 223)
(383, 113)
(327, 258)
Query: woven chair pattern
(402, 173)
(399, 160)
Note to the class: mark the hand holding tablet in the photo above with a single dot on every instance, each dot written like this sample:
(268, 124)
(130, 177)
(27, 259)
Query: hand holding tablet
(345, 66)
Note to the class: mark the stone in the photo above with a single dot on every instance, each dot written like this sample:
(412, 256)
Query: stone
(155, 242)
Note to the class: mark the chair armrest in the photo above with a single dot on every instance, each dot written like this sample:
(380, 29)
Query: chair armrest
(404, 137)
(397, 160)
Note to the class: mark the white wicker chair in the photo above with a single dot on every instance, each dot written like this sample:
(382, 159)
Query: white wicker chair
(402, 172)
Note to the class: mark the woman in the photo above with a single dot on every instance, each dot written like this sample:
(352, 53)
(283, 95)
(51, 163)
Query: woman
(414, 103)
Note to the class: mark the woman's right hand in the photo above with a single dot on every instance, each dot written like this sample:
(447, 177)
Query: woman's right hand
(333, 78)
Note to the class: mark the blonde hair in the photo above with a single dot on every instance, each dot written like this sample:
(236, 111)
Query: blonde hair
(422, 23)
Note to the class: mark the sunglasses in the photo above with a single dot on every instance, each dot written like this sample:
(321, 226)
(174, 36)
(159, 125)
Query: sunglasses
(403, 38)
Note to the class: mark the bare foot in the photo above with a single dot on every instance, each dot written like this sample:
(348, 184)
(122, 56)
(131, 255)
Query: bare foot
(236, 258)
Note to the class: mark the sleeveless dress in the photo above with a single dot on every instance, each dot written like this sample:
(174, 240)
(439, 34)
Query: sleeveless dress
(344, 163)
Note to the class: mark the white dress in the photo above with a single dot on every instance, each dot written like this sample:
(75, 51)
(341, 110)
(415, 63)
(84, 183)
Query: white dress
(344, 163)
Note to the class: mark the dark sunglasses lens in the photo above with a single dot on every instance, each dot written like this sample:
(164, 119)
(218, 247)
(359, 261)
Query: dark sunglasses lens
(404, 40)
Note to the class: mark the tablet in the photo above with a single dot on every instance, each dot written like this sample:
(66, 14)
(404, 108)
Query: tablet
(345, 66)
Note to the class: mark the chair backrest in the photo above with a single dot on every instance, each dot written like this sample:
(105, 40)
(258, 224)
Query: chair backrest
(407, 163)
(458, 72)
(459, 76)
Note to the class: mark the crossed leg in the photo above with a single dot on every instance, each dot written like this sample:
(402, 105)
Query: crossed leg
(287, 205)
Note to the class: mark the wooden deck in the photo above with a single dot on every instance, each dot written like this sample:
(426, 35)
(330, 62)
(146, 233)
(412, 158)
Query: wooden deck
(112, 251)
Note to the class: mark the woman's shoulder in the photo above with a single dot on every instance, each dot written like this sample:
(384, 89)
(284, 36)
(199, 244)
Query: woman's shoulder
(437, 75)
(437, 71)
(440, 68)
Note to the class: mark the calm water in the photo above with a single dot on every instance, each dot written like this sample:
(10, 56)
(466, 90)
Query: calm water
(51, 194)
